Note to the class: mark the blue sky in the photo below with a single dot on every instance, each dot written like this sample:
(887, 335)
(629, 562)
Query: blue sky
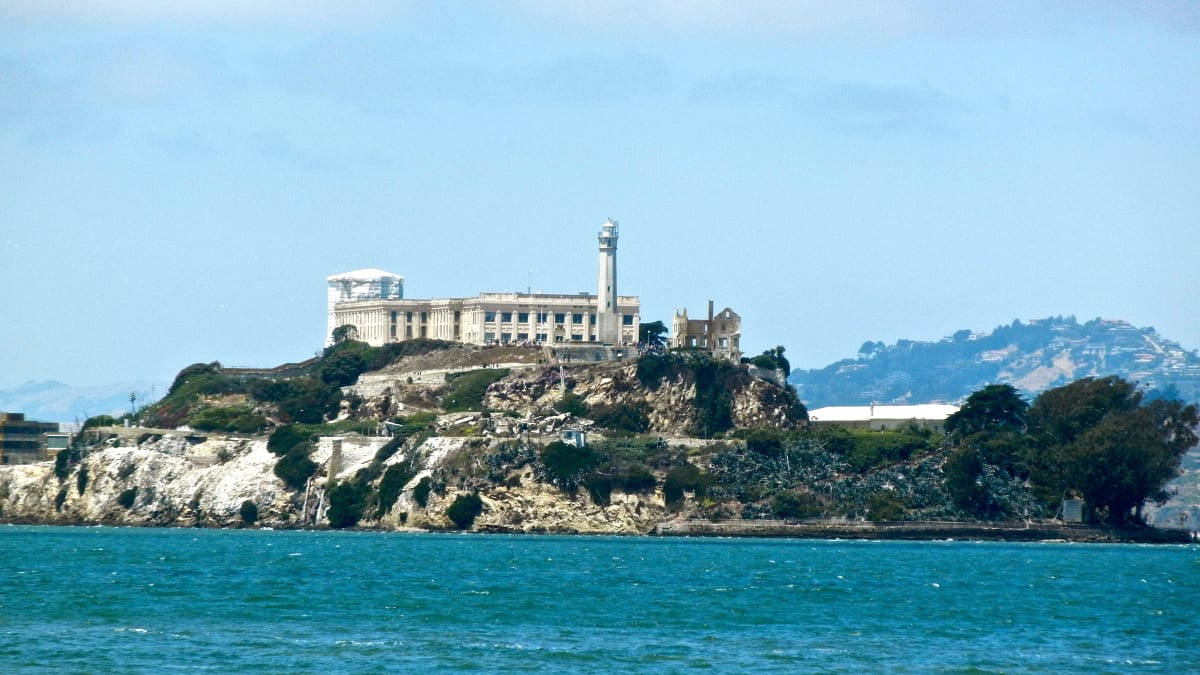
(177, 181)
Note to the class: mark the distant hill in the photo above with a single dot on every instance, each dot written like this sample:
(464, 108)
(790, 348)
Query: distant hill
(1032, 356)
(50, 401)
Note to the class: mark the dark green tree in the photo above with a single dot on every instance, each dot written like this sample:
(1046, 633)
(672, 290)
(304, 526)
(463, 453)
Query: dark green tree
(995, 408)
(653, 334)
(1095, 438)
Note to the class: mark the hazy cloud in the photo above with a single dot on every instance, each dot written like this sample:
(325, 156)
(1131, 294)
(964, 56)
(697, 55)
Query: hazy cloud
(859, 107)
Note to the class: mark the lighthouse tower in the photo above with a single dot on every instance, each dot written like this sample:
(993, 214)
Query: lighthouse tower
(607, 323)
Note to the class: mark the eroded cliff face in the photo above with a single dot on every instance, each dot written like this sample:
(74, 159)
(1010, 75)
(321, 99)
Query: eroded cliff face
(177, 483)
(671, 403)
(184, 484)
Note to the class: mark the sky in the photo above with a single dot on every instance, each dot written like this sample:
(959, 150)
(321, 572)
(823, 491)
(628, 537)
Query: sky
(178, 179)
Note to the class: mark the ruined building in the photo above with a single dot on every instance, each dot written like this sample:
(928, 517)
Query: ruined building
(719, 334)
(372, 303)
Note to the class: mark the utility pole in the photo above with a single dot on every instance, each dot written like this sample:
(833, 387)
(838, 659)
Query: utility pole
(132, 399)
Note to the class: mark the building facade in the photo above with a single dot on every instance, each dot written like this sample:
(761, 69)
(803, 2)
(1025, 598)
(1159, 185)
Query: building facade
(883, 417)
(23, 441)
(720, 334)
(372, 302)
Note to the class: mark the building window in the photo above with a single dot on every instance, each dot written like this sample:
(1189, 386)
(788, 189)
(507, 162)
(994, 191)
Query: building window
(593, 337)
(523, 317)
(560, 318)
(424, 317)
(424, 331)
(506, 337)
(489, 316)
(541, 337)
(543, 317)
(457, 315)
(506, 317)
(408, 316)
(577, 318)
(592, 318)
(723, 342)
(522, 337)
(577, 337)
(489, 337)
(626, 319)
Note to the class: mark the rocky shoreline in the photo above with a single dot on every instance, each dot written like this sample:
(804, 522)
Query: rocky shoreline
(922, 530)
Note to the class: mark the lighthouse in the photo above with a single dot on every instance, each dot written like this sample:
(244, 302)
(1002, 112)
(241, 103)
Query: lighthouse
(607, 323)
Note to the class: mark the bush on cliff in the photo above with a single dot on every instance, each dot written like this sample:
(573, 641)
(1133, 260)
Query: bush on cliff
(393, 482)
(631, 417)
(464, 509)
(421, 491)
(81, 478)
(566, 465)
(248, 512)
(294, 469)
(466, 390)
(686, 478)
(599, 488)
(306, 400)
(347, 501)
(127, 497)
(573, 404)
(241, 419)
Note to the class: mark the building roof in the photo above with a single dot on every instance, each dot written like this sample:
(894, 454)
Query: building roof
(364, 275)
(866, 413)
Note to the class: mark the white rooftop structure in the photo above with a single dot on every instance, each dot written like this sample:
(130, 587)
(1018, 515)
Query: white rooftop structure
(365, 276)
(883, 416)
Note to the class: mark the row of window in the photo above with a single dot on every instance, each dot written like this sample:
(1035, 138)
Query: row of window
(543, 317)
(490, 336)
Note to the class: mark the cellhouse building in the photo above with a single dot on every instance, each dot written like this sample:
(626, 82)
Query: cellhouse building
(369, 305)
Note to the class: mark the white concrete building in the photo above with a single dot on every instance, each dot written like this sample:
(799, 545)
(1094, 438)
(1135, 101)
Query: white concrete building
(373, 302)
(883, 417)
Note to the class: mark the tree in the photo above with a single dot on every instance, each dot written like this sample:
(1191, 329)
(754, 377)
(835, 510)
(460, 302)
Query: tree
(653, 334)
(345, 332)
(347, 499)
(995, 408)
(964, 472)
(773, 359)
(1094, 437)
(1126, 458)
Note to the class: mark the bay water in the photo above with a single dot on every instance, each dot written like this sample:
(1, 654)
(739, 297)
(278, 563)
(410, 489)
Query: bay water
(127, 599)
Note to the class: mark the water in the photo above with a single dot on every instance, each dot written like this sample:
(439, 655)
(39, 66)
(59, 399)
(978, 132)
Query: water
(105, 599)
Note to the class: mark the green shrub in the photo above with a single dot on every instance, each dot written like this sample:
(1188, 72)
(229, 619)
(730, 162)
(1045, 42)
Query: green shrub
(347, 500)
(467, 389)
(421, 491)
(99, 421)
(241, 419)
(632, 417)
(636, 479)
(566, 464)
(394, 480)
(60, 498)
(792, 504)
(248, 512)
(464, 509)
(765, 441)
(81, 479)
(873, 448)
(295, 468)
(287, 437)
(573, 404)
(599, 487)
(885, 505)
(62, 464)
(127, 497)
(691, 479)
(672, 492)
